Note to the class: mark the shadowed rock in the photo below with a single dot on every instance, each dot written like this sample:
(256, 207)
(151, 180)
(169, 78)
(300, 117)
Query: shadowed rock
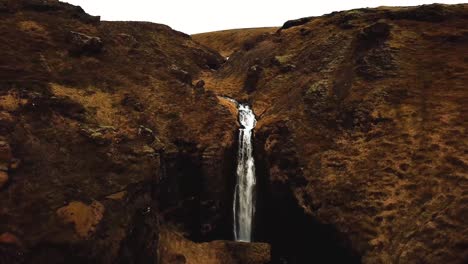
(252, 78)
(82, 44)
(296, 22)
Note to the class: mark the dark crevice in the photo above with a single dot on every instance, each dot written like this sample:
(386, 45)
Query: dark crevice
(196, 192)
(295, 237)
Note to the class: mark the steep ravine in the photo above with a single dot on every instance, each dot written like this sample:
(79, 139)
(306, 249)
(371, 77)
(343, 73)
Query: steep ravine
(117, 145)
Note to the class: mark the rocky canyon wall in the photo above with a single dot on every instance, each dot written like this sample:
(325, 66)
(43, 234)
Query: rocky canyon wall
(112, 149)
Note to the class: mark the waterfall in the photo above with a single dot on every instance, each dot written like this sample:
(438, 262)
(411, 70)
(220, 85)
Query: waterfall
(244, 194)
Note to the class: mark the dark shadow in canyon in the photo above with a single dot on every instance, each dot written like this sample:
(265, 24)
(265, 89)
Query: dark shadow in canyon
(196, 195)
(296, 238)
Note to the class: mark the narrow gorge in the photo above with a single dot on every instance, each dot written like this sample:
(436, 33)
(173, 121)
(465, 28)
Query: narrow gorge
(119, 143)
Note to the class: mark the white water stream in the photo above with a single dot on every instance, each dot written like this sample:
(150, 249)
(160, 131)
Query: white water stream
(244, 195)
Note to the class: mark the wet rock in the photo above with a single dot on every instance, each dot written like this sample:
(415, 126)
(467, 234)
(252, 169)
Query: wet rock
(181, 75)
(253, 76)
(82, 44)
(85, 218)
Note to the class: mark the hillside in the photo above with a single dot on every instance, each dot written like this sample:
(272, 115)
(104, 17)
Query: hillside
(115, 151)
(97, 120)
(226, 42)
(361, 130)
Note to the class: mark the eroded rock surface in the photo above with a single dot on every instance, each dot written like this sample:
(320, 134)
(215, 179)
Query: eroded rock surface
(360, 140)
(175, 249)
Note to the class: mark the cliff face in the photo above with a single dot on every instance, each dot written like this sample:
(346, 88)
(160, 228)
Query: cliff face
(112, 152)
(104, 137)
(362, 128)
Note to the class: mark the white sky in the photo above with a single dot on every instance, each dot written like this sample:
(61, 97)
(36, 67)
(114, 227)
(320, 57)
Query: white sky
(196, 16)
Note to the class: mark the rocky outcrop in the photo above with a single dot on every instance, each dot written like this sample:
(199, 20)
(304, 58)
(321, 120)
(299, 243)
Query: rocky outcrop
(84, 217)
(174, 248)
(181, 75)
(296, 22)
(83, 44)
(94, 135)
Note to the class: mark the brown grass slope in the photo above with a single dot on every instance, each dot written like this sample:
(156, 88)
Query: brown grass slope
(360, 142)
(226, 42)
(362, 117)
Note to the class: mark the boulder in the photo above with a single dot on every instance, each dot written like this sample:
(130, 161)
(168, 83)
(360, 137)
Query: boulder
(82, 44)
(174, 248)
(85, 218)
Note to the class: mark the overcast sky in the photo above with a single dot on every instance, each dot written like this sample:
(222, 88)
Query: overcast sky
(196, 16)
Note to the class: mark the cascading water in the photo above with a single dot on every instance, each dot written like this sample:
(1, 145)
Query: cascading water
(244, 195)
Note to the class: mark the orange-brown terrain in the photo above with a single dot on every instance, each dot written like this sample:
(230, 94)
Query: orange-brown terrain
(114, 151)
